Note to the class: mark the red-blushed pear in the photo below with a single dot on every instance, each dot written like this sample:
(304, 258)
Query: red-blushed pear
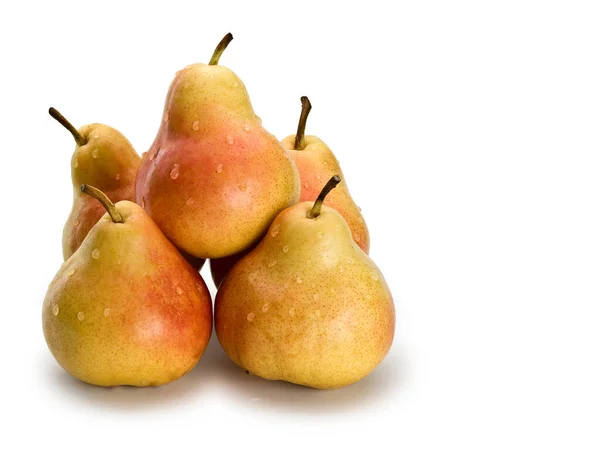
(214, 178)
(316, 163)
(307, 305)
(103, 158)
(126, 308)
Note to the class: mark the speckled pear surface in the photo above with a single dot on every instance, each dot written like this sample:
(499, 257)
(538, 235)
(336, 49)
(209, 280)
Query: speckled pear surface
(126, 308)
(214, 178)
(307, 305)
(108, 161)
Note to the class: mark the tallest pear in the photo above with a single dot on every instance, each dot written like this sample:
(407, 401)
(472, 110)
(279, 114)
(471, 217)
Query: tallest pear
(214, 178)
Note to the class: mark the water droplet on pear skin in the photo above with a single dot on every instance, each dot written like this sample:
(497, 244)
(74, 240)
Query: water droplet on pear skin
(247, 127)
(317, 313)
(229, 139)
(174, 172)
(374, 276)
(166, 117)
(272, 263)
(118, 261)
(298, 280)
(106, 312)
(75, 164)
(250, 317)
(318, 177)
(118, 176)
(265, 307)
(196, 125)
(189, 201)
(316, 297)
(286, 248)
(291, 312)
(76, 222)
(96, 136)
(236, 84)
(144, 154)
(95, 153)
(220, 168)
(152, 154)
(306, 185)
(55, 310)
(275, 230)
(80, 316)
(179, 290)
(70, 272)
(341, 269)
(95, 253)
(356, 238)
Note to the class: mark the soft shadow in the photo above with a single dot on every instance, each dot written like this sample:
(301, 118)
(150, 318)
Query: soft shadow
(389, 376)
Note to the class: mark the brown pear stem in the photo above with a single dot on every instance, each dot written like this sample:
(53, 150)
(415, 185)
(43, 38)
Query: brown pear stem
(102, 198)
(65, 123)
(220, 49)
(306, 107)
(316, 209)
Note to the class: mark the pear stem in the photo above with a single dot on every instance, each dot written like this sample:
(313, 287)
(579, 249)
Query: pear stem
(65, 123)
(102, 198)
(214, 60)
(306, 107)
(316, 209)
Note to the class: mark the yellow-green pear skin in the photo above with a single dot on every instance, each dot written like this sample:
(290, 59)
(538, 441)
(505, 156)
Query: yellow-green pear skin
(108, 161)
(126, 308)
(307, 305)
(214, 178)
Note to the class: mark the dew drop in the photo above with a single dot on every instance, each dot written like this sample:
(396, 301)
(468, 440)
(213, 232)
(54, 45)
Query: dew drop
(198, 287)
(229, 139)
(220, 168)
(349, 260)
(75, 164)
(316, 297)
(317, 313)
(96, 136)
(106, 312)
(118, 261)
(265, 307)
(189, 201)
(272, 263)
(70, 272)
(250, 317)
(152, 154)
(341, 269)
(247, 127)
(236, 84)
(76, 222)
(275, 230)
(174, 172)
(291, 312)
(166, 117)
(95, 253)
(309, 263)
(374, 276)
(368, 297)
(318, 177)
(80, 315)
(306, 185)
(356, 238)
(286, 248)
(143, 205)
(179, 290)
(299, 280)
(118, 176)
(55, 310)
(196, 125)
(95, 153)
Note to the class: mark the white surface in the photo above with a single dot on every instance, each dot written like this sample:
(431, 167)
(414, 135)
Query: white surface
(469, 133)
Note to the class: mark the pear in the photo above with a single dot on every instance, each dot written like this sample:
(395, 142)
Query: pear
(214, 178)
(315, 161)
(104, 158)
(307, 305)
(126, 308)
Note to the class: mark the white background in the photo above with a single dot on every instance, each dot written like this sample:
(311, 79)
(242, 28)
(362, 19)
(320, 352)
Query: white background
(469, 133)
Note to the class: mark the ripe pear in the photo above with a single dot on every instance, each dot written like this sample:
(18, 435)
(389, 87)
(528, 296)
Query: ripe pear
(307, 305)
(126, 308)
(315, 162)
(103, 158)
(214, 178)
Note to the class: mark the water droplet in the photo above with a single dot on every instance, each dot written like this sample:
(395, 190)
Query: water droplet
(229, 139)
(96, 136)
(368, 297)
(95, 253)
(332, 290)
(318, 177)
(199, 287)
(211, 76)
(349, 260)
(317, 313)
(95, 153)
(250, 317)
(316, 297)
(145, 274)
(55, 310)
(374, 276)
(152, 155)
(247, 127)
(118, 261)
(309, 263)
(298, 280)
(356, 238)
(306, 185)
(75, 164)
(118, 176)
(196, 125)
(143, 205)
(243, 187)
(166, 117)
(265, 307)
(341, 269)
(272, 263)
(179, 290)
(275, 230)
(80, 315)
(76, 222)
(106, 312)
(220, 168)
(174, 172)
(291, 312)
(286, 285)
(320, 234)
(70, 272)
(189, 201)
(144, 154)
(286, 248)
(236, 84)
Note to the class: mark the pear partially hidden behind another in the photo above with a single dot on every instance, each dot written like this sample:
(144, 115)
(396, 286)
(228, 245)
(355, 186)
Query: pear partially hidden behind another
(103, 158)
(307, 305)
(126, 308)
(317, 163)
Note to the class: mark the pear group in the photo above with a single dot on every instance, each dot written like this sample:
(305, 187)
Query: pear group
(298, 298)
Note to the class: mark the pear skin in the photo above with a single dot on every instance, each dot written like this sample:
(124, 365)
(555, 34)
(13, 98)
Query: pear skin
(126, 308)
(214, 178)
(307, 305)
(104, 158)
(316, 164)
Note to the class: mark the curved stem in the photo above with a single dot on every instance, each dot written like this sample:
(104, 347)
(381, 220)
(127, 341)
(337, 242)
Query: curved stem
(306, 107)
(81, 140)
(316, 209)
(102, 198)
(220, 49)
